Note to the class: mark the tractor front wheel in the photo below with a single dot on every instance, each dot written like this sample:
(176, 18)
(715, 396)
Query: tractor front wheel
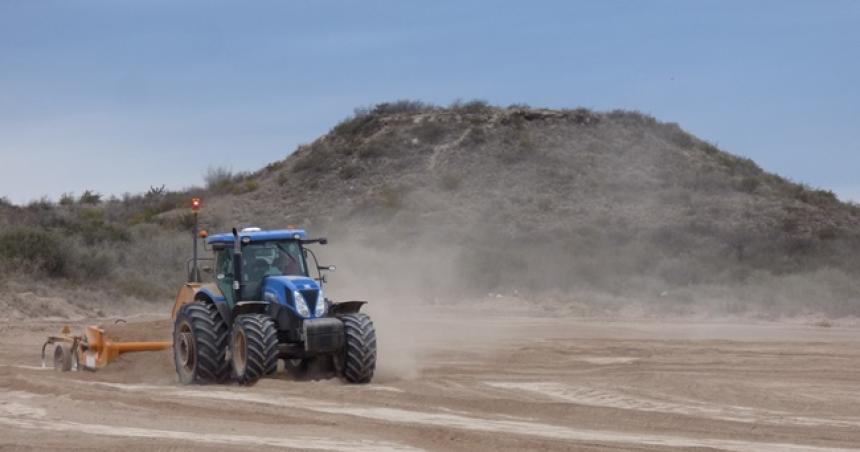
(253, 348)
(357, 361)
(200, 344)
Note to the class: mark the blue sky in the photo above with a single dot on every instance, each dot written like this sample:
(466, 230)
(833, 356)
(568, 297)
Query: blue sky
(116, 96)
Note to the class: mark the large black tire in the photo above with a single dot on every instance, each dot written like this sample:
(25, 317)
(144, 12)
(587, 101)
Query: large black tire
(253, 348)
(357, 362)
(200, 344)
(62, 357)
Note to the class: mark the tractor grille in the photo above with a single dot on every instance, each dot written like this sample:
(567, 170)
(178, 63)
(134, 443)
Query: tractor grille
(311, 298)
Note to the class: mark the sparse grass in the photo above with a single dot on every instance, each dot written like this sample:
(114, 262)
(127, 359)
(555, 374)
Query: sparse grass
(40, 204)
(632, 117)
(519, 106)
(710, 148)
(250, 185)
(218, 179)
(673, 133)
(67, 199)
(402, 106)
(583, 116)
(371, 149)
(474, 106)
(362, 123)
(819, 198)
(475, 137)
(221, 181)
(520, 146)
(315, 159)
(349, 172)
(90, 197)
(430, 132)
(749, 184)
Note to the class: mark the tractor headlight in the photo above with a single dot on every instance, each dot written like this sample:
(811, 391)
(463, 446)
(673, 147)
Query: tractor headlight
(301, 304)
(319, 309)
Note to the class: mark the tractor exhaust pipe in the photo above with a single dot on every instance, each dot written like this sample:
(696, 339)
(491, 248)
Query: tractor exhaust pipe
(194, 275)
(237, 266)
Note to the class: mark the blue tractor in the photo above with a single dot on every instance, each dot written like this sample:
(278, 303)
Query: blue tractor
(266, 302)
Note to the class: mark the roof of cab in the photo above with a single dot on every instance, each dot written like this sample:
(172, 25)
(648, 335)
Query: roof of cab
(259, 236)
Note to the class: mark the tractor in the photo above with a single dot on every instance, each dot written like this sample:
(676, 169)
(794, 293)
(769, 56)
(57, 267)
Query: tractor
(263, 305)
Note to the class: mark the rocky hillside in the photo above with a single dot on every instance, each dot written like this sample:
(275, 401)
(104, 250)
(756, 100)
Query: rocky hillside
(436, 203)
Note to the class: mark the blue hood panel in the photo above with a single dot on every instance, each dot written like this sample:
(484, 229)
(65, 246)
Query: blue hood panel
(279, 289)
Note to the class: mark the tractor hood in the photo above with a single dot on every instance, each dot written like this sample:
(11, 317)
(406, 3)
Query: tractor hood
(291, 282)
(282, 290)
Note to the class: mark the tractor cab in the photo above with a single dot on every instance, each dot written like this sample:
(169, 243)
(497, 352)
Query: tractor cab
(271, 260)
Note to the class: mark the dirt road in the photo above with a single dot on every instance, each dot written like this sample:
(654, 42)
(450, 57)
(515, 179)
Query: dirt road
(504, 383)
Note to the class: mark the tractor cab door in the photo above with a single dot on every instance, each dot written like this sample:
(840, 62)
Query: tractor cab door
(252, 276)
(224, 275)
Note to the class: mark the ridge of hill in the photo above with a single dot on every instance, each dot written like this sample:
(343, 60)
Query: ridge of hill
(436, 203)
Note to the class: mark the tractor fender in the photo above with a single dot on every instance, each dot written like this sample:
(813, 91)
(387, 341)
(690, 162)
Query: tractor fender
(197, 292)
(224, 312)
(220, 304)
(346, 307)
(250, 307)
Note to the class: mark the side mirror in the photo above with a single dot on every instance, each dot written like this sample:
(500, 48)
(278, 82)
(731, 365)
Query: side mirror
(330, 268)
(323, 279)
(323, 241)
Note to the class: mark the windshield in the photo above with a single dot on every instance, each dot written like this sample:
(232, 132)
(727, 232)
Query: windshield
(274, 258)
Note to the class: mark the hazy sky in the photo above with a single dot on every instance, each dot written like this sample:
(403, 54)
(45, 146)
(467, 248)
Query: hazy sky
(116, 96)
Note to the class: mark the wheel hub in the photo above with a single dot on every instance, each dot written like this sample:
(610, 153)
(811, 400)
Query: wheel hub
(186, 350)
(238, 355)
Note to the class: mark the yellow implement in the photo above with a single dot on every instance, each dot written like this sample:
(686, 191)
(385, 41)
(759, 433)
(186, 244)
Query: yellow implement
(91, 350)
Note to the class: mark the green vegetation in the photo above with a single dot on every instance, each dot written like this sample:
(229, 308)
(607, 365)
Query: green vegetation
(349, 172)
(35, 250)
(90, 197)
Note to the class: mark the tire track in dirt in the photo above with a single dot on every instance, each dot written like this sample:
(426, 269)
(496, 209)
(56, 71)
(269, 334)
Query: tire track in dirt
(471, 422)
(597, 397)
(17, 412)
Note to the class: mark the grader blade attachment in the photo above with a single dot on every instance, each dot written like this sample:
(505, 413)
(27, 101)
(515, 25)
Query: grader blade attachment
(92, 350)
(97, 351)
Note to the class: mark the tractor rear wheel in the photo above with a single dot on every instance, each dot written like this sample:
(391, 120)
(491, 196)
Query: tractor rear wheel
(357, 362)
(253, 348)
(200, 344)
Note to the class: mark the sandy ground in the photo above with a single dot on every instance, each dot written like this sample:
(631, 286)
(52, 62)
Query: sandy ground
(504, 382)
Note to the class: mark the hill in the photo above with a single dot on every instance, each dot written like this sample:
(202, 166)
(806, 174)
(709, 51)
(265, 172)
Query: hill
(431, 203)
